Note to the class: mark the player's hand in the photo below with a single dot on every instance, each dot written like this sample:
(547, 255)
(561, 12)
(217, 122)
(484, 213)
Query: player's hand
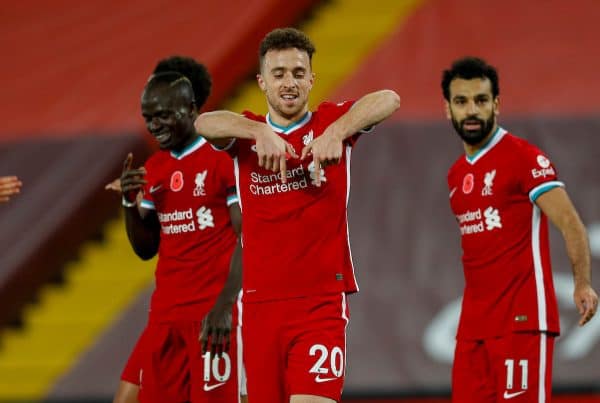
(216, 330)
(586, 300)
(273, 152)
(114, 185)
(131, 181)
(9, 186)
(325, 150)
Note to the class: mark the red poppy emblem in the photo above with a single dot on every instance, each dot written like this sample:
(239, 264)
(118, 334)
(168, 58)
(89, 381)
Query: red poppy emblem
(468, 183)
(177, 181)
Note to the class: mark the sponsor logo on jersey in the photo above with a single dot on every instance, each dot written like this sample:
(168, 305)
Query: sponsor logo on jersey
(542, 173)
(546, 170)
(176, 181)
(488, 182)
(199, 181)
(182, 221)
(473, 222)
(492, 218)
(205, 218)
(271, 184)
(468, 183)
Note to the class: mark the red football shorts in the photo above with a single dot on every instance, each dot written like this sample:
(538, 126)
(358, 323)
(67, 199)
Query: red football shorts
(173, 369)
(295, 347)
(131, 372)
(515, 368)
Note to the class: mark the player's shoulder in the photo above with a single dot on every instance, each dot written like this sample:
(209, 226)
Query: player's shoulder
(329, 111)
(518, 146)
(328, 106)
(457, 167)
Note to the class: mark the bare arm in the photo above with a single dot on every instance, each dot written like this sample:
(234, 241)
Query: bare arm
(366, 112)
(141, 225)
(558, 207)
(221, 127)
(216, 325)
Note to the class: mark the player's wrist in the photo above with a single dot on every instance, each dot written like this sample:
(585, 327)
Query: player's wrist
(126, 203)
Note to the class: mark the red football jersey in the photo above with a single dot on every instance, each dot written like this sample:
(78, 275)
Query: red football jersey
(190, 192)
(506, 257)
(295, 235)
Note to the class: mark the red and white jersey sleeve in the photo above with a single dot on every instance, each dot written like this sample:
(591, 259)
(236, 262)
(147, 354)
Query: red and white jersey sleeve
(295, 235)
(504, 237)
(191, 192)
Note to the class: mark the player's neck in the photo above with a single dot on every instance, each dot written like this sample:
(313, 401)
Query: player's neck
(185, 144)
(472, 149)
(285, 121)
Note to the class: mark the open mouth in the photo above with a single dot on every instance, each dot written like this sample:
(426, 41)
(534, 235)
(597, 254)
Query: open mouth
(163, 137)
(289, 98)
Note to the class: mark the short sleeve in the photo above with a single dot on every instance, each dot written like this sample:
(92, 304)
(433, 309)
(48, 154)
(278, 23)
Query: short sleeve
(537, 174)
(227, 180)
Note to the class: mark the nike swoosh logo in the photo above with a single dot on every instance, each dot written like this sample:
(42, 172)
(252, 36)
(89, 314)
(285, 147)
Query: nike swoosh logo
(452, 192)
(155, 188)
(511, 395)
(208, 388)
(318, 379)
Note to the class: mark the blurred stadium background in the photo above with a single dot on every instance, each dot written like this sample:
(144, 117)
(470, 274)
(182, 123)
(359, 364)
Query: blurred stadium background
(73, 297)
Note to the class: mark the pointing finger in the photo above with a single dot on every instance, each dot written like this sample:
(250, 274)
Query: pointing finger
(317, 163)
(283, 170)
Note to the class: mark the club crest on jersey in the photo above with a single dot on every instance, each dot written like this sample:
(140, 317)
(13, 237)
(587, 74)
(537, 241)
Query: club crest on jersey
(199, 181)
(307, 138)
(176, 181)
(468, 183)
(488, 182)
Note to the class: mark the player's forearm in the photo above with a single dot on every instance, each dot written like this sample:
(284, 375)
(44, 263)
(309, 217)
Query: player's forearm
(578, 249)
(366, 112)
(143, 233)
(233, 284)
(219, 126)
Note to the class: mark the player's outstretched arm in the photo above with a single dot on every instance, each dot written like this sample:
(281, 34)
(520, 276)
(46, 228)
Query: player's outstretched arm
(558, 207)
(216, 325)
(366, 112)
(142, 226)
(9, 186)
(369, 110)
(221, 127)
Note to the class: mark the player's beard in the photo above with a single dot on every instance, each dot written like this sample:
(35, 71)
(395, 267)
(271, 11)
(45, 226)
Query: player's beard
(473, 137)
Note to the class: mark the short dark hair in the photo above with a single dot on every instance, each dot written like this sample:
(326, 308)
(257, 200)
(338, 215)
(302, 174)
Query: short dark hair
(468, 68)
(174, 80)
(195, 72)
(286, 38)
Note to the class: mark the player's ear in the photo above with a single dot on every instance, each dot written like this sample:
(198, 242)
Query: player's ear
(447, 109)
(261, 82)
(497, 106)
